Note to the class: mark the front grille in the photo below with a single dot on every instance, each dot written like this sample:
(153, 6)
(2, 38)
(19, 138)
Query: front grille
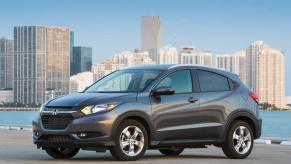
(56, 122)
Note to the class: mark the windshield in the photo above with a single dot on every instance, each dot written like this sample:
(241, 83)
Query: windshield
(124, 81)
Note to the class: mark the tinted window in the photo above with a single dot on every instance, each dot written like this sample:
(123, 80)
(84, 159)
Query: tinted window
(180, 81)
(212, 82)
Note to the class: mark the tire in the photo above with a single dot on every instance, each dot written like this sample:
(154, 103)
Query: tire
(62, 153)
(135, 138)
(239, 140)
(172, 152)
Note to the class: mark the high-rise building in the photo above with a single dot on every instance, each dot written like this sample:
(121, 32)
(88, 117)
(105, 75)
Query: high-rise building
(41, 63)
(58, 61)
(82, 60)
(270, 77)
(190, 55)
(151, 35)
(80, 81)
(168, 55)
(251, 62)
(6, 63)
(265, 73)
(235, 63)
(72, 44)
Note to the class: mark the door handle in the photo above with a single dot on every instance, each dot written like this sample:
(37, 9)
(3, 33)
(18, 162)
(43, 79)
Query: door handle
(193, 100)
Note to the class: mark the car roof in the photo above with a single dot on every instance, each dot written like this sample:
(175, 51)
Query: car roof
(151, 67)
(164, 67)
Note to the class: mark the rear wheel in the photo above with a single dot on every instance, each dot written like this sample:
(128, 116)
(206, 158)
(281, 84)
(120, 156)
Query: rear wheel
(131, 141)
(172, 152)
(62, 153)
(239, 141)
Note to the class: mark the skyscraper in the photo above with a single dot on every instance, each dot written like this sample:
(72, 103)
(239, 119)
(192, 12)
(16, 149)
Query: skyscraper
(270, 77)
(251, 62)
(30, 52)
(151, 35)
(265, 73)
(235, 63)
(72, 44)
(58, 61)
(41, 63)
(82, 60)
(6, 63)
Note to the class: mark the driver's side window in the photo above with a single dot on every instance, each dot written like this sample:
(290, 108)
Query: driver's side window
(180, 81)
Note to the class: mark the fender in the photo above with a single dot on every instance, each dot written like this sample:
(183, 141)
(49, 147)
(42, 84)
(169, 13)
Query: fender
(140, 114)
(240, 113)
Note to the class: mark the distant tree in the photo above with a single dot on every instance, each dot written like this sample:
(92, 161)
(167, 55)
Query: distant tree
(265, 106)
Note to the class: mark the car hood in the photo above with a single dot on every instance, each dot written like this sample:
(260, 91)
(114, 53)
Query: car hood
(85, 99)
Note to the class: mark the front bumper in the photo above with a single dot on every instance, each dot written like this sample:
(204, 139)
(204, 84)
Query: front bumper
(97, 127)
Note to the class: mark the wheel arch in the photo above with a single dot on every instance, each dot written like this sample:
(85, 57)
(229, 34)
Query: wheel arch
(245, 116)
(141, 117)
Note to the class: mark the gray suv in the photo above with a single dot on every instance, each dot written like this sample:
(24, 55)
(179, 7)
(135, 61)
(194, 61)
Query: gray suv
(164, 107)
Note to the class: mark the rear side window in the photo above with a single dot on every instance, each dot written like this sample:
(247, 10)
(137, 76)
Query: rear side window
(212, 82)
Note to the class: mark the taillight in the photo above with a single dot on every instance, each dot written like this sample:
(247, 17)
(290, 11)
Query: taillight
(254, 97)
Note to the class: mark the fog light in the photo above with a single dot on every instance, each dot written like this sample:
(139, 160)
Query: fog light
(87, 135)
(82, 135)
(36, 133)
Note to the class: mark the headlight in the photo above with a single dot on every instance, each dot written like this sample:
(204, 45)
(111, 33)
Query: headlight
(98, 108)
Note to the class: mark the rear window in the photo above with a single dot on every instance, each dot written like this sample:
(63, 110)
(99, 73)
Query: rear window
(212, 82)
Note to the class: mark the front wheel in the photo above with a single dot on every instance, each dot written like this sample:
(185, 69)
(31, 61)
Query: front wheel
(239, 141)
(171, 152)
(61, 153)
(131, 141)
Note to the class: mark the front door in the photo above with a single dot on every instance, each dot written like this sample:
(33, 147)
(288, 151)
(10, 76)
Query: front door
(174, 115)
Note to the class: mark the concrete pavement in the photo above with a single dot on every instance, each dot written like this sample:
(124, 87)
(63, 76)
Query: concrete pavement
(17, 147)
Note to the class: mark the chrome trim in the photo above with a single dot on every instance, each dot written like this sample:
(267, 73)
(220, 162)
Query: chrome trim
(58, 112)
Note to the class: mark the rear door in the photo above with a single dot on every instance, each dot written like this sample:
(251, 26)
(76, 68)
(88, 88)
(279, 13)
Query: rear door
(215, 102)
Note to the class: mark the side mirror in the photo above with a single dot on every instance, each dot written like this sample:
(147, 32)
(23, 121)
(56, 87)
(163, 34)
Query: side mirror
(163, 91)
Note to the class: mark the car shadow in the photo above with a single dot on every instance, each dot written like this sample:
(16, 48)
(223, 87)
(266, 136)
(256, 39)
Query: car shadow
(150, 157)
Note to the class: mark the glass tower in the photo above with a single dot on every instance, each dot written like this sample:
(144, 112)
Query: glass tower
(82, 60)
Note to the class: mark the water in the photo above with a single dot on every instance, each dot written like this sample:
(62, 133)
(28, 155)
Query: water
(17, 118)
(275, 124)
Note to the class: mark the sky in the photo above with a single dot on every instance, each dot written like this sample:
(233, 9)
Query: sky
(219, 26)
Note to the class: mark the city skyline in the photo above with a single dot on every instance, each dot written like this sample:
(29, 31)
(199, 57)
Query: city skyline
(208, 25)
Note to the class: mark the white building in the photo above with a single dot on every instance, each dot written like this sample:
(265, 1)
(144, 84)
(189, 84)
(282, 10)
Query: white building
(190, 55)
(141, 58)
(105, 68)
(235, 63)
(80, 81)
(270, 77)
(120, 60)
(251, 62)
(151, 35)
(6, 96)
(266, 73)
(168, 55)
